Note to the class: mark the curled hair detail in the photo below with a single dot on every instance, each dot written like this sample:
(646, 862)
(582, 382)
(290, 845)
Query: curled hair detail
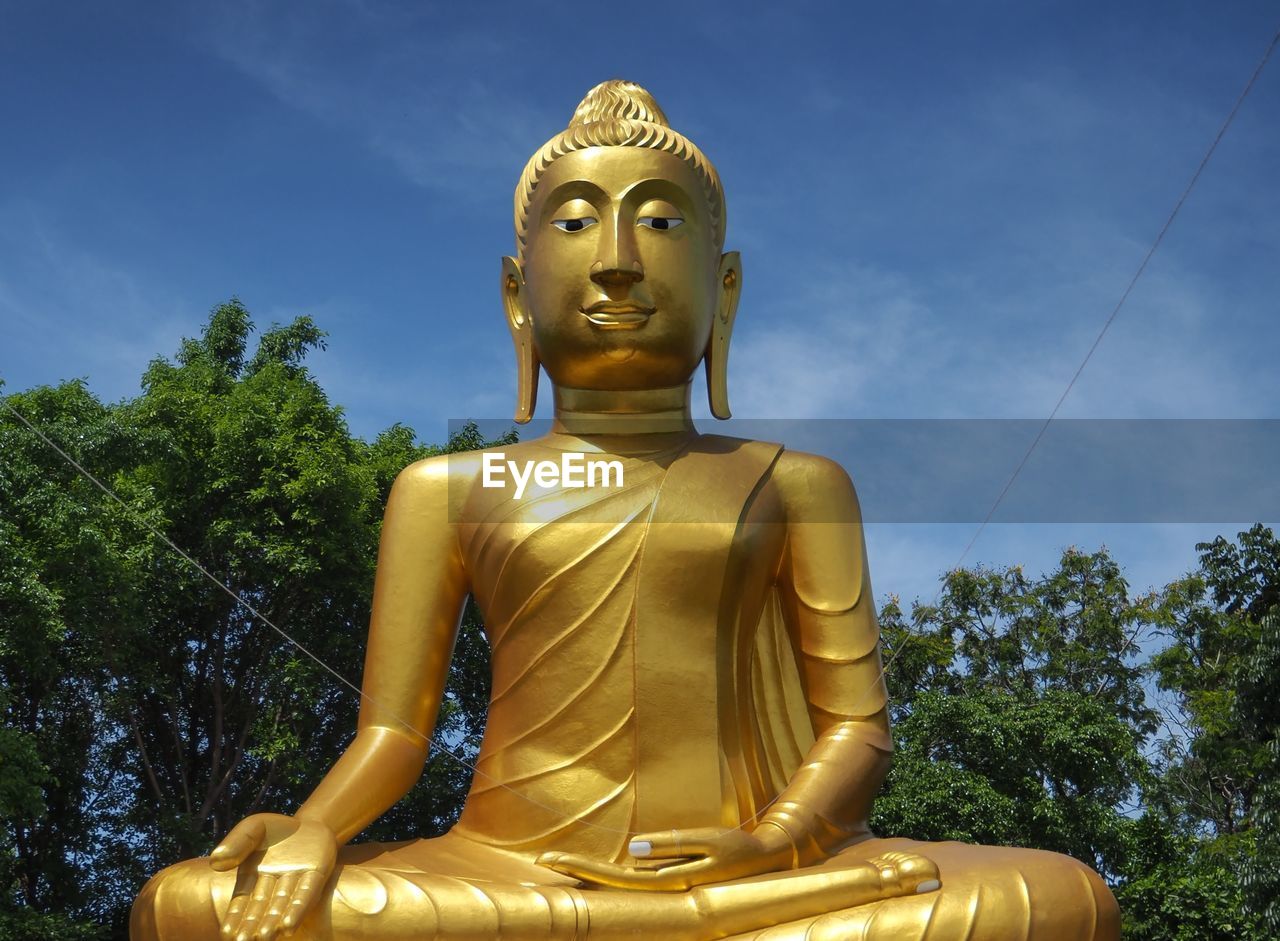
(618, 99)
(617, 114)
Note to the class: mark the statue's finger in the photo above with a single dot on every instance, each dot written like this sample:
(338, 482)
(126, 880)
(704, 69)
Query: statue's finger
(676, 877)
(669, 878)
(245, 837)
(670, 844)
(304, 894)
(277, 905)
(235, 912)
(580, 867)
(257, 907)
(592, 870)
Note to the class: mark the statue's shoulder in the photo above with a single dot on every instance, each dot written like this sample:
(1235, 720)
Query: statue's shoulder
(812, 487)
(459, 467)
(812, 468)
(439, 479)
(454, 479)
(815, 487)
(425, 486)
(432, 473)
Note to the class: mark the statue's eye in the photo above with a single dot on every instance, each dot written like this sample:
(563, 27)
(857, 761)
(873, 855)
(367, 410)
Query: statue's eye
(574, 225)
(662, 223)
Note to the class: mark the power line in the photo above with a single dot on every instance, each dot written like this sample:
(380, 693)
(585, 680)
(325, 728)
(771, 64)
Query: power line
(1195, 177)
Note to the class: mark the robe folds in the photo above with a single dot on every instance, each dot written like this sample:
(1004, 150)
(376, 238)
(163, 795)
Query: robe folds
(644, 678)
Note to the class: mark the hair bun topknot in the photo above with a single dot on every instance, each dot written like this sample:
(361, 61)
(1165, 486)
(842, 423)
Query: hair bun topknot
(617, 114)
(618, 100)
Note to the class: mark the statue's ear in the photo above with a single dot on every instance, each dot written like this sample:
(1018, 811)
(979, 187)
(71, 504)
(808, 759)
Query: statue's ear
(515, 304)
(730, 289)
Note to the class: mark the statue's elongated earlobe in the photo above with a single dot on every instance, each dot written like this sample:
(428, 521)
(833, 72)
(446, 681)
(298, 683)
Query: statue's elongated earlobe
(721, 331)
(521, 327)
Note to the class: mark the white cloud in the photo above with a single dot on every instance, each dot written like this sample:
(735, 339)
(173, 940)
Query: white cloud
(1004, 341)
(73, 312)
(836, 345)
(411, 90)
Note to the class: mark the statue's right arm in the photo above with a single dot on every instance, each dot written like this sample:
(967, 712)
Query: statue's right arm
(419, 592)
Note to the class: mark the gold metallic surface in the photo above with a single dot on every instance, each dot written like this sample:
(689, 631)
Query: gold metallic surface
(688, 719)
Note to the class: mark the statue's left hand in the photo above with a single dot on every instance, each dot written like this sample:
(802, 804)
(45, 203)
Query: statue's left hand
(697, 857)
(288, 860)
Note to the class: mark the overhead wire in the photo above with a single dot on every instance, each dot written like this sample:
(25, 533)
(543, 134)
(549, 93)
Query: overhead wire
(1106, 326)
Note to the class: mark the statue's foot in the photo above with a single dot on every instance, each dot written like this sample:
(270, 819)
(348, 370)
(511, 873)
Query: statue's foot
(752, 904)
(906, 873)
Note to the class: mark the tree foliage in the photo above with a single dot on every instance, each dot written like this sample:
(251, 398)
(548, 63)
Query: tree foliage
(1137, 734)
(145, 709)
(1219, 769)
(1258, 708)
(1019, 710)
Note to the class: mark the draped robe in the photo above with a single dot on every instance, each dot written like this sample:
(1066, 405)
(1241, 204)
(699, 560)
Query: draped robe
(644, 678)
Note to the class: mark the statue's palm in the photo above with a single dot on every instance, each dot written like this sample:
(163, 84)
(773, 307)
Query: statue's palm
(292, 859)
(697, 857)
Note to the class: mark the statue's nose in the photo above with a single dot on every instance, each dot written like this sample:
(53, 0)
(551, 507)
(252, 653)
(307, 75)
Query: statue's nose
(617, 265)
(616, 276)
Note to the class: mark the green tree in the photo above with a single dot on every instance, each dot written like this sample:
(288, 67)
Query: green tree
(1019, 712)
(1180, 887)
(145, 707)
(1022, 716)
(1259, 711)
(1218, 767)
(69, 570)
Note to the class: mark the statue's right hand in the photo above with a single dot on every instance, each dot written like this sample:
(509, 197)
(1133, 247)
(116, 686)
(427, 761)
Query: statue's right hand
(289, 858)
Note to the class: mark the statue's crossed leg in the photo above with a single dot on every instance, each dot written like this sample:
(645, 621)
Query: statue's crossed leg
(385, 893)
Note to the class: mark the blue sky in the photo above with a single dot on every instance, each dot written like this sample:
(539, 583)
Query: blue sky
(937, 205)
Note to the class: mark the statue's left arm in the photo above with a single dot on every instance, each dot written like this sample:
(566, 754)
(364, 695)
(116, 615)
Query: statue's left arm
(826, 588)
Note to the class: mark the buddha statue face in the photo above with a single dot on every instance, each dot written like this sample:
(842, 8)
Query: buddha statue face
(621, 285)
(621, 269)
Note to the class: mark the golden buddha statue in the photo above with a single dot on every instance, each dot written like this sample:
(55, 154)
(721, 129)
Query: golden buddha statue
(688, 718)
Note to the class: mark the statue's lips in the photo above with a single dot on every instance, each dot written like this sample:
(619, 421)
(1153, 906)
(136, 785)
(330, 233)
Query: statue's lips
(618, 315)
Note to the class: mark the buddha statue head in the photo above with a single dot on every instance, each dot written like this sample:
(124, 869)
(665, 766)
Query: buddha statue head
(620, 285)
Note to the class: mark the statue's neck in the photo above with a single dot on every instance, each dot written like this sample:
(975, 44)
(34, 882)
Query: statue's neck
(622, 421)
